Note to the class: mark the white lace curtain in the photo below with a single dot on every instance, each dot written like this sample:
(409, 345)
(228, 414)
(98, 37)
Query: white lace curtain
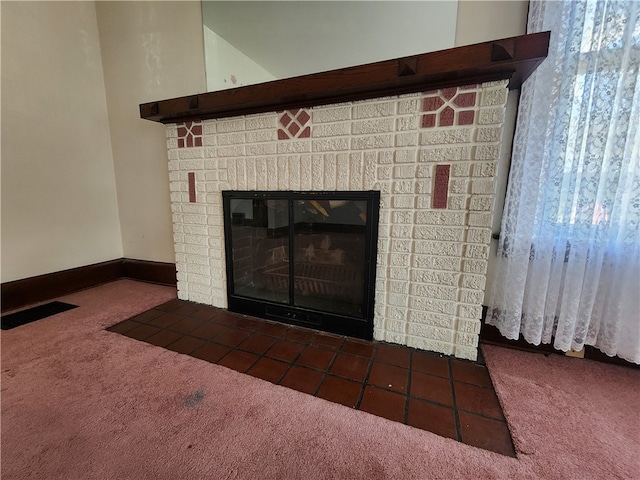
(568, 266)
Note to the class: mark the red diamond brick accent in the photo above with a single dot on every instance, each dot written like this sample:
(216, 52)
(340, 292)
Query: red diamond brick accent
(468, 87)
(428, 121)
(306, 133)
(282, 135)
(449, 93)
(192, 187)
(198, 141)
(294, 112)
(182, 132)
(181, 143)
(189, 140)
(466, 117)
(431, 104)
(293, 129)
(303, 117)
(197, 130)
(465, 100)
(188, 124)
(446, 117)
(285, 119)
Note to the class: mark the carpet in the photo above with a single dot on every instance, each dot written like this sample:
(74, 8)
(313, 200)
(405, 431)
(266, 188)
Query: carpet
(79, 402)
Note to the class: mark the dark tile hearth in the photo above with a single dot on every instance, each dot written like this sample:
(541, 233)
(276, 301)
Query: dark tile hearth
(450, 397)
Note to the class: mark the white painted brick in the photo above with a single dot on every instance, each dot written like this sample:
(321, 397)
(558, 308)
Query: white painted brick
(438, 248)
(404, 155)
(231, 151)
(395, 326)
(198, 269)
(369, 127)
(330, 114)
(457, 202)
(372, 141)
(488, 134)
(385, 157)
(398, 338)
(171, 131)
(462, 169)
(195, 229)
(429, 262)
(474, 266)
(444, 154)
(200, 279)
(432, 333)
(406, 139)
(193, 219)
(481, 204)
(237, 138)
(398, 273)
(404, 171)
(424, 171)
(490, 116)
(283, 173)
(432, 305)
(331, 130)
(370, 110)
(294, 146)
(433, 319)
(466, 339)
(407, 123)
(172, 155)
(408, 105)
(469, 318)
(479, 235)
(476, 251)
(384, 173)
(399, 260)
(294, 172)
(402, 201)
(440, 292)
(233, 125)
(209, 127)
(485, 169)
(483, 186)
(172, 143)
(209, 141)
(200, 289)
(331, 144)
(472, 297)
(403, 187)
(400, 246)
(479, 220)
(490, 97)
(435, 277)
(440, 218)
(446, 234)
(467, 353)
(396, 313)
(261, 122)
(398, 287)
(475, 282)
(487, 152)
(446, 137)
(397, 299)
(430, 345)
(259, 136)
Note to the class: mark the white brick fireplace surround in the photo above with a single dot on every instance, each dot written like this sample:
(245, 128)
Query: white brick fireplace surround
(434, 230)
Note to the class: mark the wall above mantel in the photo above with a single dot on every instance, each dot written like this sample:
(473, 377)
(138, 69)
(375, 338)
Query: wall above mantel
(513, 58)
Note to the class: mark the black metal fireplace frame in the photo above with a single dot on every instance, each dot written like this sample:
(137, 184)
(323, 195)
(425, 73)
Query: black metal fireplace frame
(355, 326)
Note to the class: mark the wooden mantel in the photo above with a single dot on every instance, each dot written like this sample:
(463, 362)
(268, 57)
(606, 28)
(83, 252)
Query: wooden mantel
(512, 58)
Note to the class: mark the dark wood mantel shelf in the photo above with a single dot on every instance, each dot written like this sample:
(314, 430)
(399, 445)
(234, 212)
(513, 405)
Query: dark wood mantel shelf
(512, 58)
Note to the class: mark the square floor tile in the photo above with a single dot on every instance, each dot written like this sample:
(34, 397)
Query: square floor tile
(211, 352)
(431, 363)
(350, 366)
(147, 316)
(123, 327)
(230, 336)
(205, 313)
(393, 355)
(383, 403)
(355, 347)
(327, 340)
(430, 387)
(164, 320)
(299, 334)
(302, 379)
(477, 400)
(470, 372)
(207, 330)
(186, 309)
(486, 433)
(315, 357)
(142, 332)
(163, 338)
(268, 369)
(387, 376)
(185, 345)
(285, 350)
(257, 343)
(171, 305)
(186, 325)
(434, 418)
(271, 328)
(340, 390)
(238, 360)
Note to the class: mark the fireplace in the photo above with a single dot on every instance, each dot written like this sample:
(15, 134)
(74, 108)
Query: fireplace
(423, 132)
(304, 258)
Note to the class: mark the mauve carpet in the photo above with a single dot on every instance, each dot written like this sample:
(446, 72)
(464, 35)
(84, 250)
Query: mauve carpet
(79, 402)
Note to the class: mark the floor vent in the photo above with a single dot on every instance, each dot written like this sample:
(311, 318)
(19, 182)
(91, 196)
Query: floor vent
(17, 319)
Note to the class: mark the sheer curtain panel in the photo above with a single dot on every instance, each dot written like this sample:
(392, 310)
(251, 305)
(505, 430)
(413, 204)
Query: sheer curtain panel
(568, 266)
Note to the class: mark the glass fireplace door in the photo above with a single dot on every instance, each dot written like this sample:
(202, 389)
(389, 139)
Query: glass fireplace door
(306, 258)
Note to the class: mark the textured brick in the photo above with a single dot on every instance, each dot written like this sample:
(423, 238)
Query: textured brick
(430, 318)
(447, 234)
(294, 146)
(487, 152)
(407, 123)
(370, 110)
(234, 125)
(444, 154)
(440, 218)
(372, 141)
(440, 292)
(490, 97)
(438, 248)
(404, 171)
(331, 114)
(435, 277)
(409, 105)
(446, 137)
(466, 353)
(481, 204)
(331, 130)
(470, 318)
(432, 305)
(490, 116)
(404, 155)
(368, 127)
(430, 262)
(406, 139)
(261, 122)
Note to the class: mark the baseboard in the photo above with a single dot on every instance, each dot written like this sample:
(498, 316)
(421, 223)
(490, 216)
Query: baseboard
(492, 336)
(20, 293)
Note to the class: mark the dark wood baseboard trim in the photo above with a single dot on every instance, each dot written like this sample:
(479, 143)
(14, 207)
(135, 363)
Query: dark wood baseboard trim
(490, 335)
(20, 293)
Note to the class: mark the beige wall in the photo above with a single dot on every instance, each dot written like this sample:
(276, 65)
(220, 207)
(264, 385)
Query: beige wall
(59, 206)
(150, 51)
